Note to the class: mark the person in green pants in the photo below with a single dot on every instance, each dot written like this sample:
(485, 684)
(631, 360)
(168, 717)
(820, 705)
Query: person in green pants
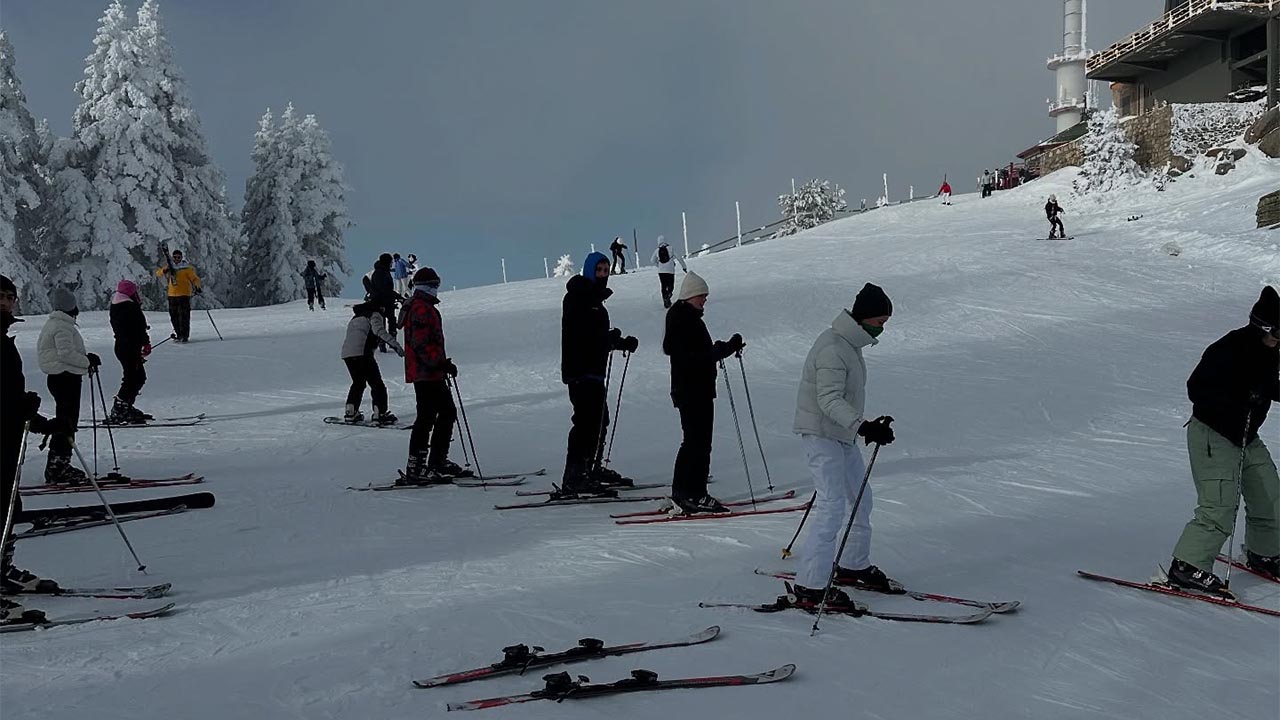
(1231, 390)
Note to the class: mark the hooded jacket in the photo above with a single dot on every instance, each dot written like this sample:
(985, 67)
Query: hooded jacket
(424, 353)
(670, 265)
(129, 324)
(60, 348)
(585, 336)
(311, 277)
(693, 354)
(364, 330)
(183, 282)
(1231, 369)
(832, 395)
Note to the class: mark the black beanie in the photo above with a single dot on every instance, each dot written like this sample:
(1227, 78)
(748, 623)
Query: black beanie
(6, 285)
(871, 302)
(1267, 310)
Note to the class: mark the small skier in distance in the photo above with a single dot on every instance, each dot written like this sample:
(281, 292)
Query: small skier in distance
(1052, 210)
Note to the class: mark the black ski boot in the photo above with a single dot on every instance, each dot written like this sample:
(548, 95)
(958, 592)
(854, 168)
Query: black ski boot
(351, 413)
(869, 579)
(418, 472)
(1185, 576)
(811, 598)
(578, 482)
(704, 504)
(59, 471)
(122, 413)
(610, 478)
(383, 416)
(450, 469)
(17, 581)
(1269, 566)
(13, 613)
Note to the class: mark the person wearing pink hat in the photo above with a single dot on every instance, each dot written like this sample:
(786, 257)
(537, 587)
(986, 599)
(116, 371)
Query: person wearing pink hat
(132, 347)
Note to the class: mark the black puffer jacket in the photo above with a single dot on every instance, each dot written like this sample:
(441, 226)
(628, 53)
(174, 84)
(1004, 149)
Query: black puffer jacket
(130, 327)
(585, 336)
(693, 355)
(1232, 370)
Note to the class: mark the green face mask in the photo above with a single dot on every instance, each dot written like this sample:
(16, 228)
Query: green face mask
(872, 330)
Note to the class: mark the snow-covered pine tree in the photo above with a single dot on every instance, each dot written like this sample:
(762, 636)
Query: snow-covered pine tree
(269, 272)
(319, 206)
(564, 267)
(1108, 156)
(812, 204)
(23, 188)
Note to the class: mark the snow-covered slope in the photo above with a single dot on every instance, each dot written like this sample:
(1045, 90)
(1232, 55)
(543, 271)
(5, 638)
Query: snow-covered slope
(1038, 389)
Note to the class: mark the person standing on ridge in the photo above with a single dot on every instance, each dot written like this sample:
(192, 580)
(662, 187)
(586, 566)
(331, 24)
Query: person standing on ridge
(400, 273)
(586, 339)
(182, 284)
(60, 350)
(132, 347)
(1231, 391)
(693, 392)
(428, 367)
(311, 278)
(830, 417)
(1052, 211)
(617, 248)
(666, 262)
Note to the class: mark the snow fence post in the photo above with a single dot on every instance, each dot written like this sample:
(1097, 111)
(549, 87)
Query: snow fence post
(504, 271)
(546, 268)
(684, 223)
(737, 208)
(911, 193)
(885, 177)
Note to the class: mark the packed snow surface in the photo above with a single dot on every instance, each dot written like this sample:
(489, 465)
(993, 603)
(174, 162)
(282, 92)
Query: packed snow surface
(1038, 390)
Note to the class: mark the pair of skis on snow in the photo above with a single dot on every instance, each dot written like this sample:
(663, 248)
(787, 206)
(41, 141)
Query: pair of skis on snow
(179, 421)
(114, 482)
(140, 592)
(1165, 588)
(51, 521)
(664, 514)
(502, 480)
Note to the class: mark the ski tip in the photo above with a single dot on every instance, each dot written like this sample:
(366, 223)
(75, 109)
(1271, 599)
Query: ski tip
(777, 674)
(705, 635)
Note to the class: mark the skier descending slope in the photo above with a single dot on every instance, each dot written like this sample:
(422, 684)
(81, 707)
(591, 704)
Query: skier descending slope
(1053, 211)
(585, 343)
(829, 420)
(428, 368)
(1231, 391)
(20, 408)
(364, 330)
(693, 392)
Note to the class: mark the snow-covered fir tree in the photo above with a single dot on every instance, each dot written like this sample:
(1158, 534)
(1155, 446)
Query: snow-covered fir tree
(272, 257)
(319, 205)
(23, 188)
(1108, 156)
(564, 267)
(812, 204)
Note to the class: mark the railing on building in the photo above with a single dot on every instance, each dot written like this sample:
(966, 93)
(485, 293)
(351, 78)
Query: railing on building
(1170, 22)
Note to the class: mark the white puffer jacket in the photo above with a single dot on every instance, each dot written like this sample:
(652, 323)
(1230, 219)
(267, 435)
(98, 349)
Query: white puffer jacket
(833, 386)
(670, 265)
(60, 348)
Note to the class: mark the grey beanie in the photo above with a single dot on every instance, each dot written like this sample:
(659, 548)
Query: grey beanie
(62, 299)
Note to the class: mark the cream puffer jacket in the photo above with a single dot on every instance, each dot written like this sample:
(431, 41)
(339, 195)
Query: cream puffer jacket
(60, 348)
(833, 386)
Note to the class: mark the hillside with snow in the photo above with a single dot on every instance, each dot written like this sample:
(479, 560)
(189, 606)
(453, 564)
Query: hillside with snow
(1039, 394)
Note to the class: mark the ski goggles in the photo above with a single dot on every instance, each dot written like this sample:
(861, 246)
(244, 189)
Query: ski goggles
(1268, 328)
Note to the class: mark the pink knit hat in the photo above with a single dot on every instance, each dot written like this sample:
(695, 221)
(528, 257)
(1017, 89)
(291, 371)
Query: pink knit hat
(127, 287)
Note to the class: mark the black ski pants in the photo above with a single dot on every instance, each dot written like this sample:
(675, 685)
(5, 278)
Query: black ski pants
(433, 428)
(133, 373)
(180, 315)
(364, 371)
(65, 388)
(619, 257)
(693, 461)
(314, 294)
(10, 447)
(590, 419)
(1056, 224)
(668, 283)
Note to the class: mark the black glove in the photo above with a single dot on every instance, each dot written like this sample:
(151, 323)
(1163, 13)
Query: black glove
(615, 338)
(628, 344)
(736, 343)
(877, 431)
(199, 290)
(32, 406)
(41, 425)
(95, 362)
(449, 368)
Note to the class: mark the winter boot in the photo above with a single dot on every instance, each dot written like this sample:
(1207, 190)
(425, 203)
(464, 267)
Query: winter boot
(59, 471)
(1269, 566)
(351, 413)
(121, 413)
(837, 599)
(418, 471)
(382, 416)
(610, 478)
(869, 579)
(578, 482)
(1185, 576)
(17, 581)
(704, 504)
(447, 468)
(12, 613)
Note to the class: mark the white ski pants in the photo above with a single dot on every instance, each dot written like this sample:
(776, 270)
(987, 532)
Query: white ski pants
(837, 470)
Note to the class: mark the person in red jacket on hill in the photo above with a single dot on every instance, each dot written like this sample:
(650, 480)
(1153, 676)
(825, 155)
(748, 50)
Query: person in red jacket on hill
(945, 192)
(428, 367)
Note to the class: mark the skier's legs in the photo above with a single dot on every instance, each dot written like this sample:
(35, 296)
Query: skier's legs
(184, 317)
(667, 281)
(65, 388)
(9, 450)
(1260, 488)
(311, 297)
(587, 398)
(373, 376)
(175, 315)
(424, 396)
(1214, 469)
(320, 297)
(826, 460)
(857, 554)
(693, 460)
(442, 429)
(130, 383)
(356, 369)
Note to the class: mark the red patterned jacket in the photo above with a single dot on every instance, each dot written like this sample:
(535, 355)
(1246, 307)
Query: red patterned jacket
(423, 339)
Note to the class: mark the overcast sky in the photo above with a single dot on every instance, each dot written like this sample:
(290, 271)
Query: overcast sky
(479, 129)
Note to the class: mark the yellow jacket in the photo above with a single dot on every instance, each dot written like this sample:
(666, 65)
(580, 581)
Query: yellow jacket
(184, 283)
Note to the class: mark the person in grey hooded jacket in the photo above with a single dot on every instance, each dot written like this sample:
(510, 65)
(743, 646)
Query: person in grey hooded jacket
(365, 330)
(830, 417)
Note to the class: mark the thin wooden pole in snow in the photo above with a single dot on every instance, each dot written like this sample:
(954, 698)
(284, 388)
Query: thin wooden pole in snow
(886, 188)
(737, 208)
(546, 268)
(504, 271)
(684, 223)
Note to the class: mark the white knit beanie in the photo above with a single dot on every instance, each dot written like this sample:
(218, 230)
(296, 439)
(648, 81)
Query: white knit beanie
(693, 286)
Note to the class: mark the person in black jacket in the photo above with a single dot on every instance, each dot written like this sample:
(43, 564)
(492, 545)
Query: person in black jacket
(616, 248)
(585, 343)
(313, 280)
(20, 409)
(1231, 392)
(693, 392)
(1053, 211)
(132, 347)
(381, 289)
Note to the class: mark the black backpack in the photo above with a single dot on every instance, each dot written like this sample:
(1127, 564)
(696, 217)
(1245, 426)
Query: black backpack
(664, 254)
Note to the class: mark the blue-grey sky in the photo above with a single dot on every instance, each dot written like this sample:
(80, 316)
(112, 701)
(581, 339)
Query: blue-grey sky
(526, 129)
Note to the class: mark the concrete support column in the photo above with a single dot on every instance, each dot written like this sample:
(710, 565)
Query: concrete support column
(1273, 60)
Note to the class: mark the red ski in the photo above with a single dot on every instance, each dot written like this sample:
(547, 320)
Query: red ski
(1168, 590)
(737, 503)
(710, 516)
(1242, 566)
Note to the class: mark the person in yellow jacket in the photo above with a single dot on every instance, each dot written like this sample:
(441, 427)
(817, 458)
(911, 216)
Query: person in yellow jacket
(183, 283)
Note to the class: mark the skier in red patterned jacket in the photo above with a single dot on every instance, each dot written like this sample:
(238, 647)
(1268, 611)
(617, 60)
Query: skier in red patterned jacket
(428, 368)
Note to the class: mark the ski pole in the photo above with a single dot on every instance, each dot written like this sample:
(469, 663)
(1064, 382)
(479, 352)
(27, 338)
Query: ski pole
(112, 513)
(171, 337)
(1231, 542)
(754, 427)
(746, 467)
(617, 410)
(466, 426)
(11, 511)
(115, 460)
(597, 443)
(835, 565)
(786, 551)
(214, 324)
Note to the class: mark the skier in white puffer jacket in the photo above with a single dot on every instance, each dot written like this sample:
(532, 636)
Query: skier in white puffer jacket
(61, 355)
(666, 261)
(830, 417)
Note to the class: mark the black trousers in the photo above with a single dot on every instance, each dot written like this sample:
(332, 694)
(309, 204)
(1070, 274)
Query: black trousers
(619, 257)
(10, 447)
(133, 373)
(693, 461)
(590, 420)
(1056, 224)
(180, 315)
(313, 294)
(433, 428)
(668, 283)
(65, 388)
(364, 371)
